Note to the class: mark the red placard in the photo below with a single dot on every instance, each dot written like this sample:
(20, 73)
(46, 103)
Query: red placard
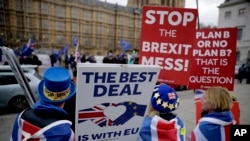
(167, 37)
(214, 58)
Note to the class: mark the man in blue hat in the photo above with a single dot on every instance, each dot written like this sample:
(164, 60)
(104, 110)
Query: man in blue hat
(47, 119)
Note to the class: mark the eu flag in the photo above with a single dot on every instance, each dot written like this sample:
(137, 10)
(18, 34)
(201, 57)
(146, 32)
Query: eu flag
(125, 45)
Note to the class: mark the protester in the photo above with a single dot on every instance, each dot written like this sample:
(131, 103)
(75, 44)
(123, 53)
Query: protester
(47, 120)
(160, 122)
(36, 61)
(21, 60)
(66, 61)
(122, 58)
(216, 117)
(1, 53)
(72, 62)
(91, 59)
(109, 58)
(52, 60)
(83, 58)
(241, 72)
(248, 74)
(70, 107)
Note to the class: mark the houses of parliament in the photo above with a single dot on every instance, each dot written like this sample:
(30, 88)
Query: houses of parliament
(99, 25)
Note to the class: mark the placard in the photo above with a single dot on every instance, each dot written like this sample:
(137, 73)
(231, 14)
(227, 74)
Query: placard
(112, 100)
(167, 37)
(214, 58)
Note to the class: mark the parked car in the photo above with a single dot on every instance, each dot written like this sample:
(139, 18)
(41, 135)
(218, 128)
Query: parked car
(12, 96)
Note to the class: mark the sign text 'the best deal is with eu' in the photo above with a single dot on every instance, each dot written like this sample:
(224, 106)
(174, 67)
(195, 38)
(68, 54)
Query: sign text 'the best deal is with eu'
(111, 100)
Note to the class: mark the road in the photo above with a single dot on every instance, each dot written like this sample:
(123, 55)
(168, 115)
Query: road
(186, 110)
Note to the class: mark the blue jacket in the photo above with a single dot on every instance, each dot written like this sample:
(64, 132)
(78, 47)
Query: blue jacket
(43, 122)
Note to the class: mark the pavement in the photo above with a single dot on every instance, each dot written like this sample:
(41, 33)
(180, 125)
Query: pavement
(186, 110)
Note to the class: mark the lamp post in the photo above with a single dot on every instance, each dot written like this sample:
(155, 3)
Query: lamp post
(136, 12)
(116, 6)
(43, 37)
(197, 5)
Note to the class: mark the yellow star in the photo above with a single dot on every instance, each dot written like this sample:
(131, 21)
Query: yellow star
(164, 104)
(158, 101)
(171, 106)
(156, 95)
(135, 107)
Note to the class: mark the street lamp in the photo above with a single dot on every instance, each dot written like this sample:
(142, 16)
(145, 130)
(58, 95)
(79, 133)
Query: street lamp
(116, 7)
(197, 5)
(43, 37)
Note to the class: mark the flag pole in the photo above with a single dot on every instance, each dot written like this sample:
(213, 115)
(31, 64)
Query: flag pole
(76, 50)
(197, 5)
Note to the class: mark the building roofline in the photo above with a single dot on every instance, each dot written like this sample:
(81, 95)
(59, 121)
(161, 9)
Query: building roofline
(232, 3)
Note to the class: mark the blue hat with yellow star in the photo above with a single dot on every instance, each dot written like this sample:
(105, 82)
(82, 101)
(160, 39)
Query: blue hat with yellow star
(164, 98)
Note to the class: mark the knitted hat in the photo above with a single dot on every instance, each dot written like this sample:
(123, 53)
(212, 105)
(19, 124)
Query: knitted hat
(164, 98)
(56, 87)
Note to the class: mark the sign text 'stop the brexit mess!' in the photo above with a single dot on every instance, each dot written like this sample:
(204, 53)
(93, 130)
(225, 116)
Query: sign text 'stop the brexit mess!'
(166, 40)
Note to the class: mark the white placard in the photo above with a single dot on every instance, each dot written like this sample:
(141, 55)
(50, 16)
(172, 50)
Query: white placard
(112, 100)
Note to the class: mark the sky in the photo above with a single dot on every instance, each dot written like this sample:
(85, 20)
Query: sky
(120, 2)
(208, 10)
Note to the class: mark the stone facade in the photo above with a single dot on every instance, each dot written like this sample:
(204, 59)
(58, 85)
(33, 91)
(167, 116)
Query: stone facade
(53, 23)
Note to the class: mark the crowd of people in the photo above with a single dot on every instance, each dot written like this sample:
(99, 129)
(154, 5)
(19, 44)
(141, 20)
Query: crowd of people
(70, 61)
(121, 58)
(51, 117)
